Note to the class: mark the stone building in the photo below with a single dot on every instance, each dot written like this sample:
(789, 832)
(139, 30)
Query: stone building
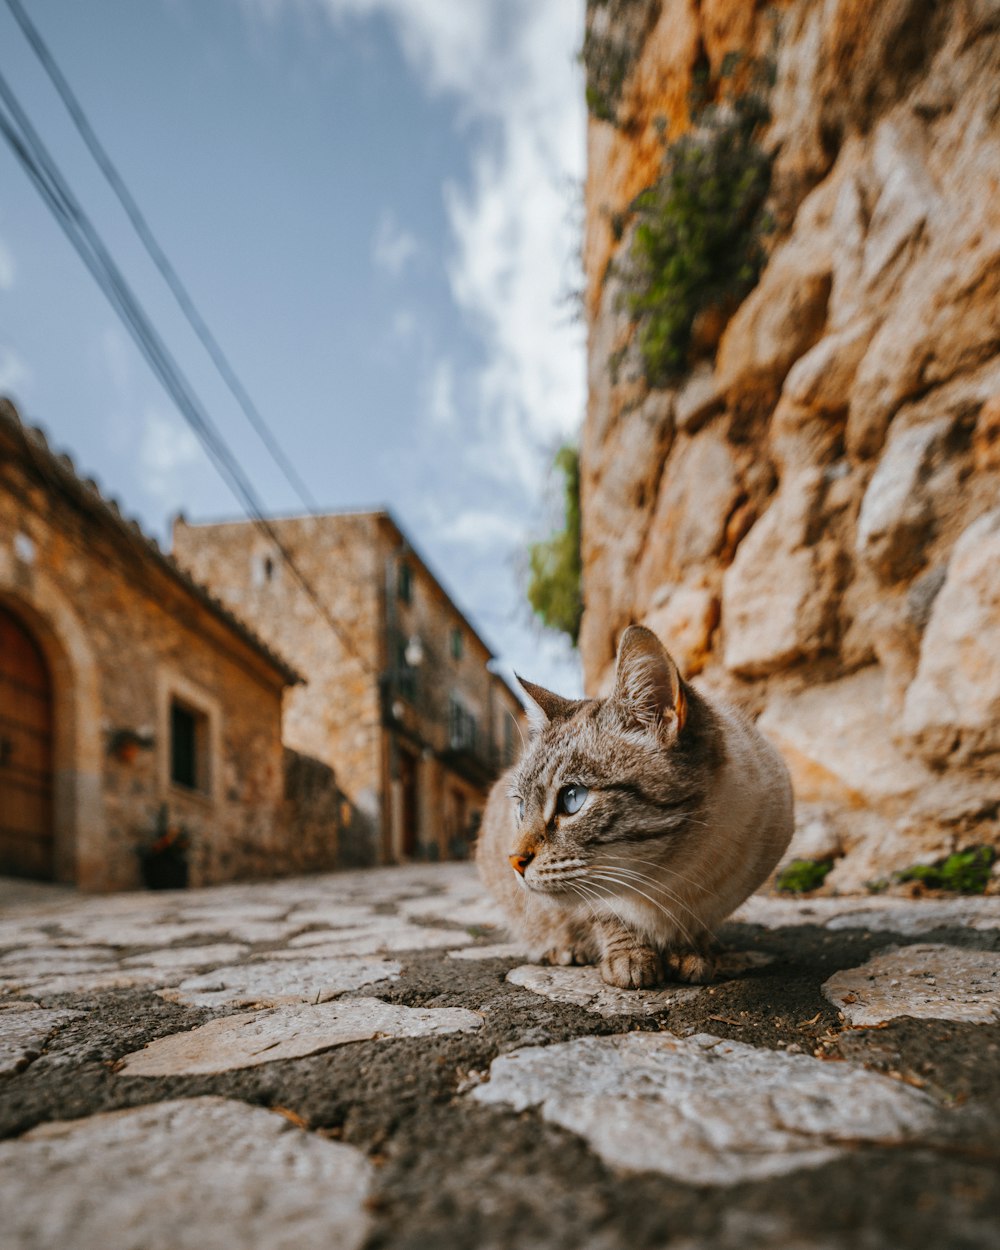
(398, 698)
(125, 686)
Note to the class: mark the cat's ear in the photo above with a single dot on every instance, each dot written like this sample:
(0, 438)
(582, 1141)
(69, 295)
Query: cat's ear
(545, 707)
(649, 692)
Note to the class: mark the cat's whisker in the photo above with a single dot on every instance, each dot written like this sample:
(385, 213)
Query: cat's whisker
(605, 896)
(577, 889)
(666, 868)
(669, 915)
(628, 880)
(653, 884)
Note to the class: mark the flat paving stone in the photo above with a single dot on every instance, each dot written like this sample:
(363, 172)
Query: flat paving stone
(390, 936)
(477, 911)
(179, 958)
(194, 1174)
(245, 1041)
(24, 1030)
(81, 981)
(583, 987)
(492, 950)
(925, 981)
(892, 915)
(703, 1110)
(276, 982)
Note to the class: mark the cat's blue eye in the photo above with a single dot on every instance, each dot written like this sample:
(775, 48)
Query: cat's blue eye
(571, 799)
(520, 809)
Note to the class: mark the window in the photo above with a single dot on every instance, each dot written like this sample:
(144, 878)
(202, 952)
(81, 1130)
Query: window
(188, 747)
(406, 676)
(265, 569)
(456, 644)
(404, 583)
(462, 727)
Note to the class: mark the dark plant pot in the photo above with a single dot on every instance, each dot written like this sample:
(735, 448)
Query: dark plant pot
(164, 872)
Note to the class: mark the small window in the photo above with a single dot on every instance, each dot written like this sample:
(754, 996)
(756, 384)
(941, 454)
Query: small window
(456, 644)
(188, 747)
(463, 729)
(404, 583)
(406, 675)
(265, 569)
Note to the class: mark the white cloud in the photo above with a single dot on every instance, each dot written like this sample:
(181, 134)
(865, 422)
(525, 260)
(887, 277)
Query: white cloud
(14, 371)
(7, 268)
(478, 528)
(166, 448)
(393, 246)
(441, 407)
(511, 67)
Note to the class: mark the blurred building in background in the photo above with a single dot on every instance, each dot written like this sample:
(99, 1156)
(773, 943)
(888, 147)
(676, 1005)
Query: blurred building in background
(398, 700)
(148, 733)
(140, 721)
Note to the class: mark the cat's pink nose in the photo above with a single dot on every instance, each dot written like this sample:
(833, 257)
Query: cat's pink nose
(521, 861)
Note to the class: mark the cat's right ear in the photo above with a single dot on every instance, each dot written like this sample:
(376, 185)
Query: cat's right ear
(544, 707)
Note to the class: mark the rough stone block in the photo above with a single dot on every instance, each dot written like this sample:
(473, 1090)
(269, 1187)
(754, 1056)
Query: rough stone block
(952, 708)
(191, 1174)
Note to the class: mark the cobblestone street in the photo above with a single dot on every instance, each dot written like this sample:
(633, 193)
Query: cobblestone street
(362, 1060)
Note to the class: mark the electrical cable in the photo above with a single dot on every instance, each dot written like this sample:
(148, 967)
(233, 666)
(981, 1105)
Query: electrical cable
(58, 197)
(158, 256)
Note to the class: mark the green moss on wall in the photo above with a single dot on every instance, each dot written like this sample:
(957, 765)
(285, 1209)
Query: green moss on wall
(802, 875)
(698, 236)
(965, 872)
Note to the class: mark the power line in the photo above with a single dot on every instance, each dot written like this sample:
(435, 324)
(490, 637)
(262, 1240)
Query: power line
(158, 256)
(35, 159)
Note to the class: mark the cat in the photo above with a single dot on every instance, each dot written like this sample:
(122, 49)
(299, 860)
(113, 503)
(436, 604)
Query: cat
(634, 824)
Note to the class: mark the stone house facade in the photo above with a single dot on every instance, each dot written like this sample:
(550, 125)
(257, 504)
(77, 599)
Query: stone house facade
(124, 686)
(398, 699)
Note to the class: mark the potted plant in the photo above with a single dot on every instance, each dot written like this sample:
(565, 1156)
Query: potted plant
(163, 858)
(125, 744)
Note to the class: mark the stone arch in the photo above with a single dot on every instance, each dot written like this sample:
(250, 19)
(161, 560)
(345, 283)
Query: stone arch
(77, 808)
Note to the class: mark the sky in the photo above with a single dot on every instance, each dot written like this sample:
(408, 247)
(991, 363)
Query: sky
(376, 206)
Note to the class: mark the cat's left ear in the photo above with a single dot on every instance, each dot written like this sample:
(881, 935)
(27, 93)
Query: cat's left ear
(545, 706)
(649, 692)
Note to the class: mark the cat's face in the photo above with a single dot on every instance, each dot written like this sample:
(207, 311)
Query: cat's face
(607, 788)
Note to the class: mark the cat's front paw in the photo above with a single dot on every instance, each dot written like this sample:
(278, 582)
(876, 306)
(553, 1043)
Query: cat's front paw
(565, 956)
(692, 966)
(632, 968)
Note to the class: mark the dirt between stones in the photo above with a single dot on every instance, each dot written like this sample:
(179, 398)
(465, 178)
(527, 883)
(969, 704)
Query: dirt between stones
(453, 1173)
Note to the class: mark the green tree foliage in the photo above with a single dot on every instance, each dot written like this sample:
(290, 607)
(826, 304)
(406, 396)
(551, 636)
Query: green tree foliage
(554, 564)
(697, 242)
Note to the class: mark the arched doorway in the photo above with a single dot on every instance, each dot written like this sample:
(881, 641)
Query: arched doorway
(27, 843)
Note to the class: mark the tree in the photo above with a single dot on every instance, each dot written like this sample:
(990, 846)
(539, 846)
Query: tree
(555, 566)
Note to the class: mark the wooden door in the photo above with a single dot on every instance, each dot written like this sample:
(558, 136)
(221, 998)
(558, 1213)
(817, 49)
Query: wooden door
(410, 804)
(26, 836)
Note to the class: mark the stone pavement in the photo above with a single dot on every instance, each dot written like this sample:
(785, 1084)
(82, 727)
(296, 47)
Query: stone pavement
(362, 1060)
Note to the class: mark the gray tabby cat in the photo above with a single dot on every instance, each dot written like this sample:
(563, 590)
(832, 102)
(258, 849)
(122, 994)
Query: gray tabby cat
(633, 825)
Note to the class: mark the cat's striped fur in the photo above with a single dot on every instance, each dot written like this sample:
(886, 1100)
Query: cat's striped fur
(684, 809)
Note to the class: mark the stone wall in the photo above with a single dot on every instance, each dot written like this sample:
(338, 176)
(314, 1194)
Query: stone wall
(810, 515)
(123, 636)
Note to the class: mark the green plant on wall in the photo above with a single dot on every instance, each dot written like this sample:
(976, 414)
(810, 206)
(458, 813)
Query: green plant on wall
(554, 564)
(697, 241)
(615, 31)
